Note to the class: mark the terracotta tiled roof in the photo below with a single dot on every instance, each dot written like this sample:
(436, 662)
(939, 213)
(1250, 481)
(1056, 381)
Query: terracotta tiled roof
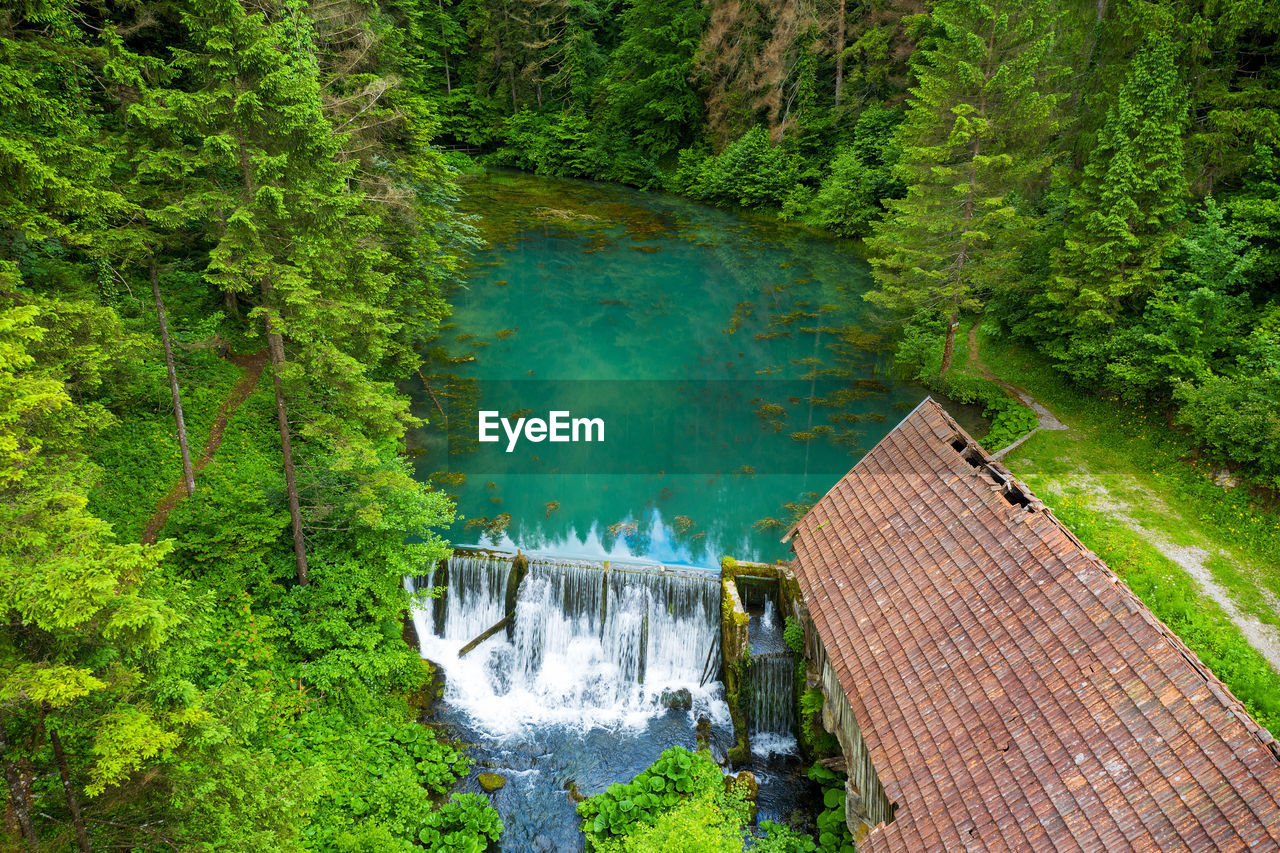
(1012, 691)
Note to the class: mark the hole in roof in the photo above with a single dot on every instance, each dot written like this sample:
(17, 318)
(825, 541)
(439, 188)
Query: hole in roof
(1009, 490)
(1015, 496)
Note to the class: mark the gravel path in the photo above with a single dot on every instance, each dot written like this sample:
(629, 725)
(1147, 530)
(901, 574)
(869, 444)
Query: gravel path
(1194, 561)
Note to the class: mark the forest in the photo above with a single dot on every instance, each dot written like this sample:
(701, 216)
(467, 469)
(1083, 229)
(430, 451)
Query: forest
(204, 651)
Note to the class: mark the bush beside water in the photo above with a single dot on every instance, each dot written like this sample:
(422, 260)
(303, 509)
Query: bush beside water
(684, 804)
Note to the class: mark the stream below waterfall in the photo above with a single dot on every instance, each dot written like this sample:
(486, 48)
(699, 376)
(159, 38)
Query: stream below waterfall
(727, 357)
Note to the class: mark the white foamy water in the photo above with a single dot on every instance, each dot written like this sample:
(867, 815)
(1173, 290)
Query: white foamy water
(772, 743)
(586, 648)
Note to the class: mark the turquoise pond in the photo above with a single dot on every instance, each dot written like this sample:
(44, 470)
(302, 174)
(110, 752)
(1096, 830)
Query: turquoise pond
(733, 363)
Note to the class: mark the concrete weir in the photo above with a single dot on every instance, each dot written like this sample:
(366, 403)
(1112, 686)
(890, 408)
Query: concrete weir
(616, 634)
(608, 634)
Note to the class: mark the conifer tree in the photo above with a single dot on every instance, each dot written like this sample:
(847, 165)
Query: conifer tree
(1125, 211)
(77, 608)
(650, 97)
(295, 239)
(259, 111)
(973, 136)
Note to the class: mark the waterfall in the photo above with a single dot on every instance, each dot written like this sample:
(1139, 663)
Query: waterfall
(476, 593)
(771, 700)
(587, 644)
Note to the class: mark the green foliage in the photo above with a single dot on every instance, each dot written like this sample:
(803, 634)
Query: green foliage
(973, 138)
(1125, 209)
(816, 740)
(695, 825)
(568, 145)
(850, 198)
(194, 685)
(833, 832)
(384, 782)
(1256, 209)
(793, 635)
(677, 775)
(1235, 414)
(751, 171)
(1010, 419)
(681, 803)
(778, 838)
(1194, 324)
(650, 98)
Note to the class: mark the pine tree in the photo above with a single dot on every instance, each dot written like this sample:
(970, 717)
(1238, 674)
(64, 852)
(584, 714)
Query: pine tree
(650, 97)
(975, 134)
(1125, 211)
(52, 172)
(294, 237)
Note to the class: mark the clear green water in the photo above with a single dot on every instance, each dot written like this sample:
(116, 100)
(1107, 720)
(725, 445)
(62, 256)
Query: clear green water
(729, 356)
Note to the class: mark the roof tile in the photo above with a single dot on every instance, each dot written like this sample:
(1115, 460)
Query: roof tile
(1013, 693)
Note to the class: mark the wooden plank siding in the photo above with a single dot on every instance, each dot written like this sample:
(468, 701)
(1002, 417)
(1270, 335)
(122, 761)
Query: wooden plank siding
(867, 805)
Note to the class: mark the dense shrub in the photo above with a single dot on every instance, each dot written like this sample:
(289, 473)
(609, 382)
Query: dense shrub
(751, 171)
(850, 197)
(568, 145)
(777, 838)
(833, 832)
(676, 776)
(1237, 415)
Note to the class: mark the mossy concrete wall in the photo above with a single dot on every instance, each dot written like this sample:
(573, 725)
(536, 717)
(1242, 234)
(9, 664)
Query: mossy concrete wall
(734, 652)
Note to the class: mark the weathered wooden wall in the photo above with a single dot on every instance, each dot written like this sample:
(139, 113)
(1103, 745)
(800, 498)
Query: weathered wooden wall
(867, 805)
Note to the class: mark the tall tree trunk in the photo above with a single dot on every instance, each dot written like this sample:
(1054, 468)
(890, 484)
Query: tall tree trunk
(948, 351)
(840, 53)
(73, 802)
(275, 346)
(17, 793)
(448, 82)
(188, 474)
